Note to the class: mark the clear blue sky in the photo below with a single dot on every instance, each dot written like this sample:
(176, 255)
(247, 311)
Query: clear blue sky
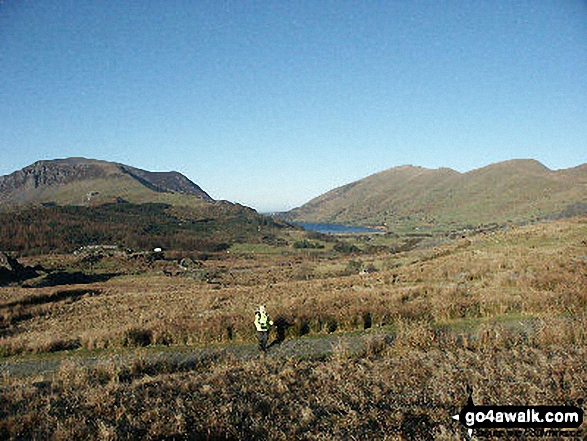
(270, 103)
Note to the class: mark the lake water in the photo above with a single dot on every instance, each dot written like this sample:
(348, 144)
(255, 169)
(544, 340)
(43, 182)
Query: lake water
(335, 228)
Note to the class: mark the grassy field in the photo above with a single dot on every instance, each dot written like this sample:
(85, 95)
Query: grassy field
(502, 312)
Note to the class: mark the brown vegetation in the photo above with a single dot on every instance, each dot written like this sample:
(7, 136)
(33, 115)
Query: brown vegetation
(406, 391)
(207, 227)
(528, 271)
(439, 199)
(502, 312)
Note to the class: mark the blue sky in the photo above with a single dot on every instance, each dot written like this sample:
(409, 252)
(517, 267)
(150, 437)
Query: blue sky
(271, 103)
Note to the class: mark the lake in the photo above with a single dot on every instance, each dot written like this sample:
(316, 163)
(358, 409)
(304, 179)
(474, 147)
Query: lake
(335, 228)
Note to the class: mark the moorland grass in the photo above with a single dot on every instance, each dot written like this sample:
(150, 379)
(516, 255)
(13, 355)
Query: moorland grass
(504, 313)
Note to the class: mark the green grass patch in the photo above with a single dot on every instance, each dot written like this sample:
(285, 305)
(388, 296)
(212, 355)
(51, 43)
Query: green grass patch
(257, 248)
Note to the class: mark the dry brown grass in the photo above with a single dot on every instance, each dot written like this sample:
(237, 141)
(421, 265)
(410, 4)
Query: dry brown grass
(505, 313)
(533, 270)
(405, 391)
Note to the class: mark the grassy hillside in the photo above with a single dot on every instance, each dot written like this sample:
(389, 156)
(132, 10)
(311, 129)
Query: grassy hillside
(511, 191)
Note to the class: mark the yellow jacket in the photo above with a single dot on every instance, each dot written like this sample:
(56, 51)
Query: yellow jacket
(262, 321)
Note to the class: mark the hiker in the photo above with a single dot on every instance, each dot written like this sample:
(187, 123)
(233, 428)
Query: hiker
(262, 323)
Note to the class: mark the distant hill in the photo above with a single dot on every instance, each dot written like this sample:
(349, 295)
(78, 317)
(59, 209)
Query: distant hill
(64, 204)
(206, 227)
(80, 181)
(511, 191)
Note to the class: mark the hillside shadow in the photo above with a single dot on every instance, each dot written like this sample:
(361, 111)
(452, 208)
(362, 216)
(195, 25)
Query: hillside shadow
(59, 296)
(60, 278)
(17, 311)
(417, 426)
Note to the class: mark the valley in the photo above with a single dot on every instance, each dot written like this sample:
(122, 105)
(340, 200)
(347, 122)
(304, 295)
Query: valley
(129, 314)
(377, 342)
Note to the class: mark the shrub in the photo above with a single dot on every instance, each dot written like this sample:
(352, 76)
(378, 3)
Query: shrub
(137, 337)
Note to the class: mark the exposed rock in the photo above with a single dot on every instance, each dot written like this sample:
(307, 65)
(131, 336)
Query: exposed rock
(31, 184)
(166, 181)
(12, 271)
(187, 264)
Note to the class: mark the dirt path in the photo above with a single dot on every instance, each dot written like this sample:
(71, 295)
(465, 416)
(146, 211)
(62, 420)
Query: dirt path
(168, 359)
(185, 358)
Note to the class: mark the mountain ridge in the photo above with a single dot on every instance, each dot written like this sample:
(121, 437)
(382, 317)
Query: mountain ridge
(516, 190)
(81, 181)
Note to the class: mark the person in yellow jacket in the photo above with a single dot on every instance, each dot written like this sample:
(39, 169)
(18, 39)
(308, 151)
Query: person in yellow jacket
(262, 323)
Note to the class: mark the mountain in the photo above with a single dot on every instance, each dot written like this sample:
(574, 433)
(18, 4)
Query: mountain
(512, 191)
(62, 205)
(80, 181)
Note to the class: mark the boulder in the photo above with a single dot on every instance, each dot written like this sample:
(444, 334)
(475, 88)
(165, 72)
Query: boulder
(11, 270)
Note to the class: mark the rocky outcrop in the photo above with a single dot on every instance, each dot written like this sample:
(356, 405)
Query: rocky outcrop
(166, 181)
(34, 183)
(13, 271)
(49, 173)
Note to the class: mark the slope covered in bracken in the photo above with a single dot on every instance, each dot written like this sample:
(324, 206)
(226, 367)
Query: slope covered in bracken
(510, 191)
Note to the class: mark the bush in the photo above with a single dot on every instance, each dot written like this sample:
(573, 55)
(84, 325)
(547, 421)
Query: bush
(346, 248)
(307, 244)
(137, 337)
